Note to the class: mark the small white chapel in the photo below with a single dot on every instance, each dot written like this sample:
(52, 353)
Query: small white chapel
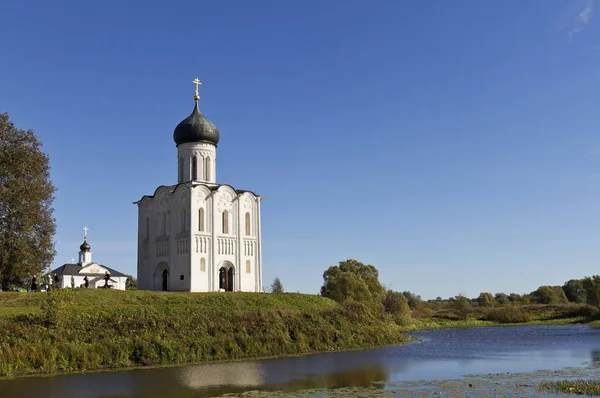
(75, 275)
(198, 235)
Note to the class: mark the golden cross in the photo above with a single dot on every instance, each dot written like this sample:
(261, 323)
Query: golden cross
(197, 82)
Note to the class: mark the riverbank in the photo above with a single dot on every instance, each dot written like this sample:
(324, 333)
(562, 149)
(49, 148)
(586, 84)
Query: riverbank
(83, 330)
(87, 330)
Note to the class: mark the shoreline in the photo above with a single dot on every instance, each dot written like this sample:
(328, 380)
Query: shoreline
(404, 330)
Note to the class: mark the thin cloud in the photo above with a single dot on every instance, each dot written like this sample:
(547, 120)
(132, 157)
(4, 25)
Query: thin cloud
(586, 13)
(583, 18)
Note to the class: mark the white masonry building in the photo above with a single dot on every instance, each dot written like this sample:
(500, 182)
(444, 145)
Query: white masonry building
(85, 270)
(197, 235)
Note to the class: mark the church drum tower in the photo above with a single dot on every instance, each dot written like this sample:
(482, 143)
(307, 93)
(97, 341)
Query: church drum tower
(197, 235)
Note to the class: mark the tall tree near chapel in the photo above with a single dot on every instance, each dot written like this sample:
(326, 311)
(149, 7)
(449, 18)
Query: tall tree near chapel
(27, 224)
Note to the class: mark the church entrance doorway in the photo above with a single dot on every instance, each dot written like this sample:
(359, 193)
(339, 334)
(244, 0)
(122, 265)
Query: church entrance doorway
(165, 280)
(226, 279)
(161, 277)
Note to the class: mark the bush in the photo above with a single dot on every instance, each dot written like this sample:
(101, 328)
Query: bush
(395, 304)
(508, 314)
(462, 307)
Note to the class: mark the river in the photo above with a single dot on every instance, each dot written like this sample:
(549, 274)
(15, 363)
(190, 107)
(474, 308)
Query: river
(442, 354)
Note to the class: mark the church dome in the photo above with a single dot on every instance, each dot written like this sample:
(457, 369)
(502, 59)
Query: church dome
(196, 128)
(85, 246)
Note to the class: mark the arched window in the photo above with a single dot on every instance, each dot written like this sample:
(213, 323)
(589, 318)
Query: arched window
(183, 220)
(164, 224)
(194, 168)
(248, 266)
(225, 226)
(207, 170)
(201, 219)
(247, 223)
(180, 175)
(202, 264)
(147, 228)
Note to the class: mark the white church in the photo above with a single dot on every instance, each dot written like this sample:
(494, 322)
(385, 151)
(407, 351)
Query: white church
(197, 235)
(86, 273)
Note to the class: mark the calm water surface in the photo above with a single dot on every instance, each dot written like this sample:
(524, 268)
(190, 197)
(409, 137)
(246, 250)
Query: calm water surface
(444, 354)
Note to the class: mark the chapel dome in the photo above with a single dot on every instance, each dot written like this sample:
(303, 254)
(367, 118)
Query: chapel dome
(85, 246)
(196, 127)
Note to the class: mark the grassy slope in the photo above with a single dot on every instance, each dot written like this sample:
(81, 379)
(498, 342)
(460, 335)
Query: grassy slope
(113, 329)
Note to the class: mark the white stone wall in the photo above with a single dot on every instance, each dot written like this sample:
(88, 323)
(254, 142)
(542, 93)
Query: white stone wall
(181, 246)
(206, 158)
(65, 281)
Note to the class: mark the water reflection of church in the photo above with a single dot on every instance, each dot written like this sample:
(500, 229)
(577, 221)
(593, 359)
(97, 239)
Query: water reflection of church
(197, 235)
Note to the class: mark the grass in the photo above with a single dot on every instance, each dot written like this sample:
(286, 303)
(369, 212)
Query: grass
(82, 330)
(93, 329)
(580, 387)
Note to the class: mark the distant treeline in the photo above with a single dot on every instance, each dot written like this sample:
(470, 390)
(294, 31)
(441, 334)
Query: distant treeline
(586, 290)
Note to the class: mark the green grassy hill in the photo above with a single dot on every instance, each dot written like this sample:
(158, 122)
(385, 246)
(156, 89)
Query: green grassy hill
(97, 329)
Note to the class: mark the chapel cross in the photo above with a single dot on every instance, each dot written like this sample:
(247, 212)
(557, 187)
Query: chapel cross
(85, 229)
(197, 82)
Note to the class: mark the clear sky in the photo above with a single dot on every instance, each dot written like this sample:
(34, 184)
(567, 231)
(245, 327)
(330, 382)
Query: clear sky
(455, 145)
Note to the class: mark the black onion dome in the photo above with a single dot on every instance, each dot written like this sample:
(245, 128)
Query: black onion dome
(85, 246)
(196, 128)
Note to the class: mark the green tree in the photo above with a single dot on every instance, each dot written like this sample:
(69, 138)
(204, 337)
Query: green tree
(462, 306)
(414, 300)
(130, 283)
(353, 280)
(276, 286)
(27, 224)
(486, 300)
(549, 295)
(515, 298)
(502, 298)
(574, 290)
(592, 290)
(395, 304)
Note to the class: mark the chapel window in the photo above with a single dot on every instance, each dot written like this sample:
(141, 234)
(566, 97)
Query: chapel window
(225, 226)
(194, 168)
(248, 266)
(247, 223)
(202, 264)
(207, 169)
(201, 219)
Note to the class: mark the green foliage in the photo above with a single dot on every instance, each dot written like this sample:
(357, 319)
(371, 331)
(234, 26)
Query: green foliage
(574, 290)
(514, 298)
(130, 283)
(55, 307)
(110, 329)
(414, 300)
(486, 300)
(526, 299)
(276, 286)
(508, 314)
(502, 298)
(462, 306)
(549, 295)
(591, 285)
(27, 224)
(395, 304)
(353, 280)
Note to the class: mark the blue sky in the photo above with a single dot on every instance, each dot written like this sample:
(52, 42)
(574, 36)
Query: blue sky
(453, 145)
